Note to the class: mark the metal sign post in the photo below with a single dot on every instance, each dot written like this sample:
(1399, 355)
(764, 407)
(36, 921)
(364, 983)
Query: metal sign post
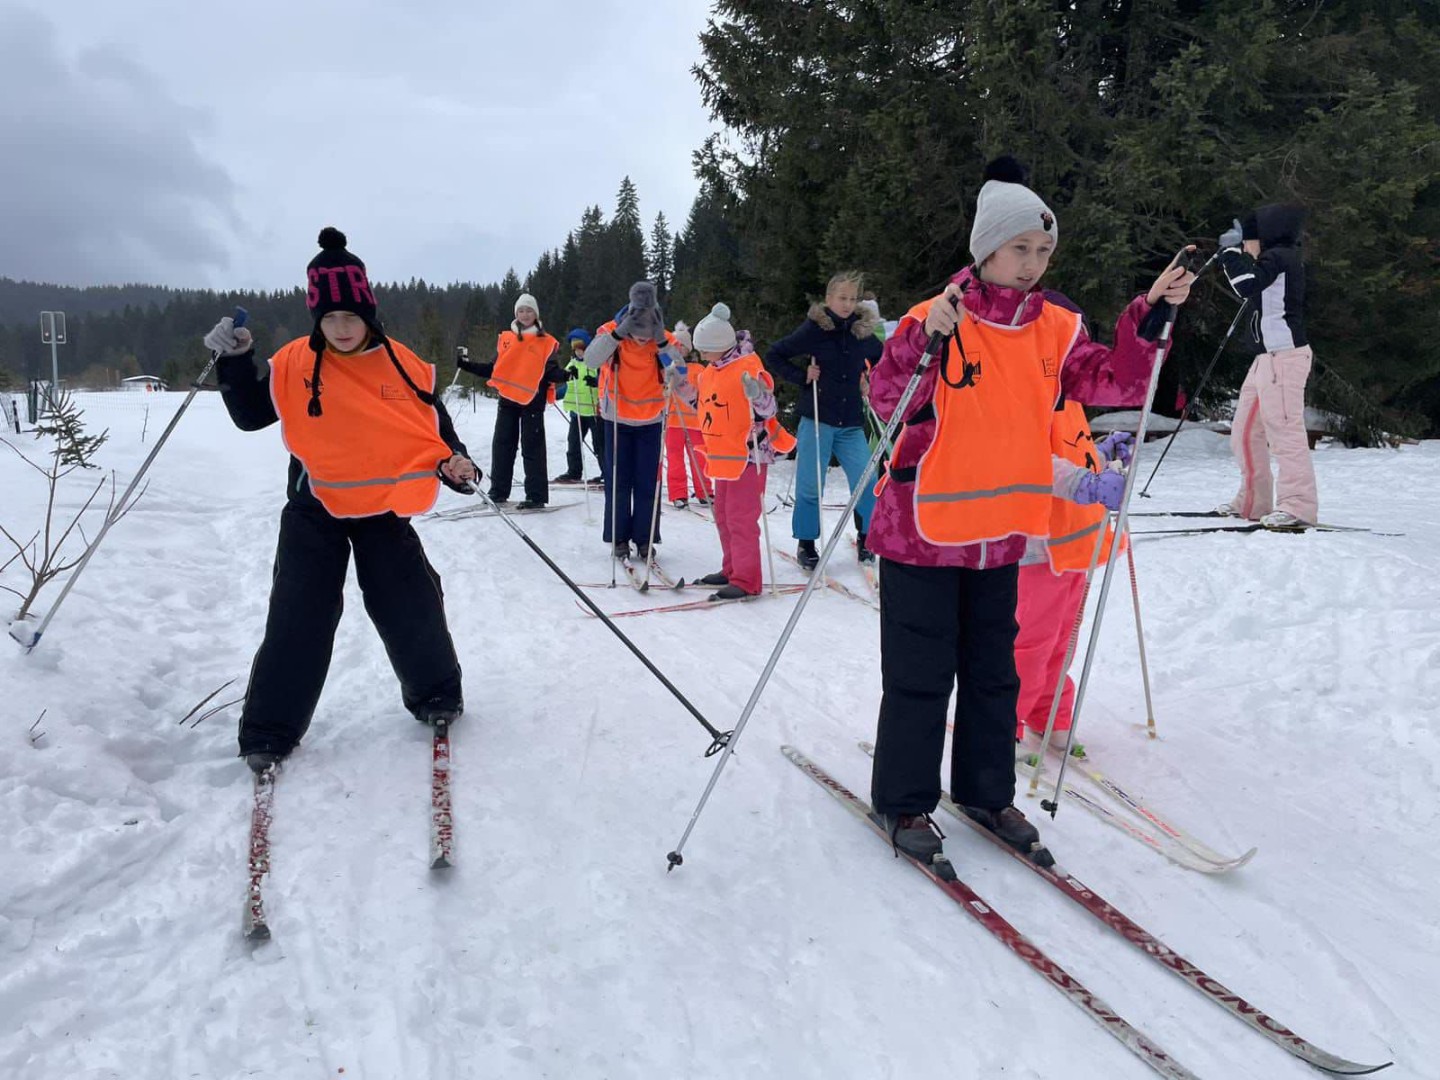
(52, 333)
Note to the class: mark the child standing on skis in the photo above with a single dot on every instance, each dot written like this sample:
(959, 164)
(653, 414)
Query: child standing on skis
(1261, 260)
(524, 373)
(370, 443)
(683, 444)
(1051, 587)
(735, 398)
(629, 354)
(581, 401)
(970, 480)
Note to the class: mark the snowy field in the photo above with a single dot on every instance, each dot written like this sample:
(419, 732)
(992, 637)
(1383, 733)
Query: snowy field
(1296, 681)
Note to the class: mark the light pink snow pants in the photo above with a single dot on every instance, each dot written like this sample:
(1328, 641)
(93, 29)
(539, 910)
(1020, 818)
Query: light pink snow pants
(1045, 610)
(1270, 419)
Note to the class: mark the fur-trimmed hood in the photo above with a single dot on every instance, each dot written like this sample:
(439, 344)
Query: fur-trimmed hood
(862, 322)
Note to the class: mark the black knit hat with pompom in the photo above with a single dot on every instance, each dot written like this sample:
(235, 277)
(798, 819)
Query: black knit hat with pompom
(336, 281)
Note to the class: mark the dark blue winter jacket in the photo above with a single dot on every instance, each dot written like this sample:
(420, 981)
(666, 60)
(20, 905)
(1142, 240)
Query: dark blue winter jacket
(841, 347)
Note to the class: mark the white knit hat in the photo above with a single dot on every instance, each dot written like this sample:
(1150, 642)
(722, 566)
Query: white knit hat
(1006, 208)
(526, 300)
(714, 332)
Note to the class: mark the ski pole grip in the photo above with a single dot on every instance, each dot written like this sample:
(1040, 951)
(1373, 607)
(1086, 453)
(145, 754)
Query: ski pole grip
(241, 316)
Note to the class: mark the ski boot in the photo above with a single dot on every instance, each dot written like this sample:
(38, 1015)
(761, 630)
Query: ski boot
(917, 837)
(806, 555)
(262, 760)
(1009, 825)
(437, 713)
(717, 578)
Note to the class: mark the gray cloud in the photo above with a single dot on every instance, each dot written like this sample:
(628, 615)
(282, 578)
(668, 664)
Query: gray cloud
(206, 146)
(101, 180)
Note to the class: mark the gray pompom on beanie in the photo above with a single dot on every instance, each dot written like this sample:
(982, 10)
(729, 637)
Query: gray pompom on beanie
(1006, 208)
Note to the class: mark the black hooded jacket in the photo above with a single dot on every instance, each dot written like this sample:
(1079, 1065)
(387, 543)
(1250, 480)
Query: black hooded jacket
(1273, 284)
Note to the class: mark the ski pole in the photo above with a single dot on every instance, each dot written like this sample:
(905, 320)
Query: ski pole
(114, 515)
(1140, 637)
(819, 468)
(1185, 412)
(612, 490)
(935, 344)
(1122, 518)
(721, 738)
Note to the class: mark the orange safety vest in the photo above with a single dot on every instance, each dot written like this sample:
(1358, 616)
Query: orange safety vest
(376, 447)
(986, 474)
(681, 414)
(641, 394)
(520, 364)
(1074, 529)
(726, 420)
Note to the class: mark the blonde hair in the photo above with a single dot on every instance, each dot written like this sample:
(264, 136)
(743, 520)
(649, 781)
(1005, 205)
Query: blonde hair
(846, 277)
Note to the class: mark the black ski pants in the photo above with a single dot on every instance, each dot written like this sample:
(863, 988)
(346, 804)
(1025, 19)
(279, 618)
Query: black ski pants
(581, 426)
(402, 597)
(946, 629)
(520, 426)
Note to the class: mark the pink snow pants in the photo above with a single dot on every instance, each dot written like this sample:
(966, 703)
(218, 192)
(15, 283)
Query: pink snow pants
(676, 453)
(1045, 610)
(738, 505)
(1270, 419)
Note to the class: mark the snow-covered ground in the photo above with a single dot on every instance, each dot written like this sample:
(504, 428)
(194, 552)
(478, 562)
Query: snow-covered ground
(1296, 680)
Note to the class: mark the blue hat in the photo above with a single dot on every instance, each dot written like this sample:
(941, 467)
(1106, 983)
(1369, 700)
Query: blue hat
(578, 334)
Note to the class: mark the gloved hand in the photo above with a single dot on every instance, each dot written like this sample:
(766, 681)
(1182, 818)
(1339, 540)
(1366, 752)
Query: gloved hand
(1119, 443)
(592, 380)
(226, 339)
(459, 473)
(682, 340)
(1106, 488)
(675, 374)
(1232, 237)
(753, 387)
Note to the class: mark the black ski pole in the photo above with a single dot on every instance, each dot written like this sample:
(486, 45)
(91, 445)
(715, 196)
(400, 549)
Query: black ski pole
(932, 348)
(721, 738)
(1185, 413)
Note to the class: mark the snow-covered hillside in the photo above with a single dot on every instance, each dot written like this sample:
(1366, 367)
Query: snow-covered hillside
(1296, 682)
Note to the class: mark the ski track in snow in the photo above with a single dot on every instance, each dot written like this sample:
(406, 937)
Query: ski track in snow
(1295, 677)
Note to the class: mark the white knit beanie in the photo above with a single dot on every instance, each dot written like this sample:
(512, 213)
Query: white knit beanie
(1006, 208)
(526, 300)
(714, 332)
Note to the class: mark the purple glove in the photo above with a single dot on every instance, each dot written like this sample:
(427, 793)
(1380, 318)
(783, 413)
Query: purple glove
(1121, 443)
(1107, 488)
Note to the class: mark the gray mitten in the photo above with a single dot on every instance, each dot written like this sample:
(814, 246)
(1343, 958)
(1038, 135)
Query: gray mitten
(226, 339)
(1232, 237)
(754, 388)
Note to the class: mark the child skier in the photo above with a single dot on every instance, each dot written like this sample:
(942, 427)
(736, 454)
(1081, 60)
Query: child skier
(683, 443)
(524, 372)
(735, 398)
(629, 353)
(1051, 584)
(1261, 259)
(370, 443)
(839, 338)
(581, 402)
(970, 479)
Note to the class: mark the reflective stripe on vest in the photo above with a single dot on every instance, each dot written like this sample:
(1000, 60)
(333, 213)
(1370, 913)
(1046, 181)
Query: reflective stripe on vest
(375, 447)
(520, 365)
(986, 474)
(640, 396)
(1074, 529)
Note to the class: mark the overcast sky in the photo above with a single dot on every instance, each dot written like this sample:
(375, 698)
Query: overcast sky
(198, 144)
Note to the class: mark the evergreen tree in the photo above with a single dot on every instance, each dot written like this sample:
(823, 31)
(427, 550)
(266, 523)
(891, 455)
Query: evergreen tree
(661, 257)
